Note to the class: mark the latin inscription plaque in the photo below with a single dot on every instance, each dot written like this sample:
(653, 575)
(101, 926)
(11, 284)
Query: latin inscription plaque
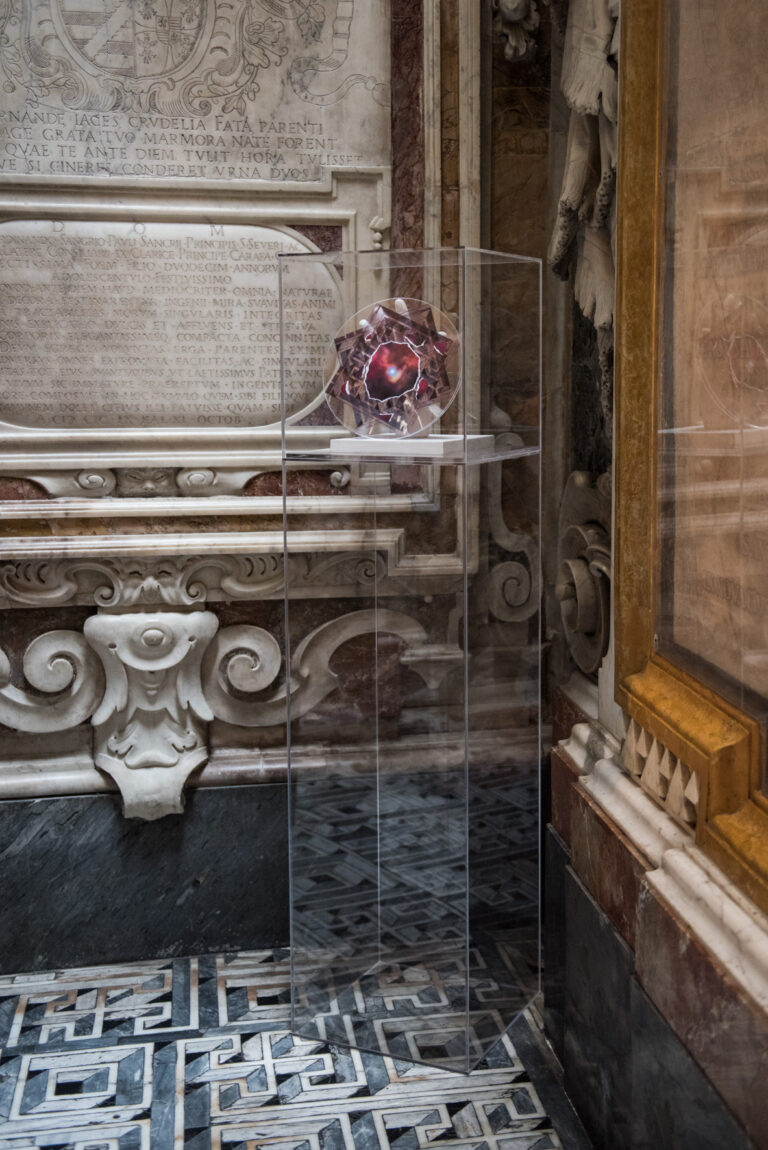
(254, 90)
(143, 325)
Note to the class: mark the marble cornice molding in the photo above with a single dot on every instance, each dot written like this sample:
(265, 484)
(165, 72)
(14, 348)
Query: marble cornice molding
(190, 570)
(726, 923)
(646, 767)
(309, 546)
(651, 830)
(123, 581)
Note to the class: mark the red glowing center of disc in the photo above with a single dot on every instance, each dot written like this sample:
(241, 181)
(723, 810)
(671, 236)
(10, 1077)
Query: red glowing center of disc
(392, 370)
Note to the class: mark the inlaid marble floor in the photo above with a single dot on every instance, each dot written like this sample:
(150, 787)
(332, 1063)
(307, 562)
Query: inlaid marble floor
(196, 1054)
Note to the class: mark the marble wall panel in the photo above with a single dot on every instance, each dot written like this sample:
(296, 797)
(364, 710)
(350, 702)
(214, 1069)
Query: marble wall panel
(21, 489)
(720, 1025)
(519, 150)
(540, 1064)
(565, 715)
(407, 124)
(608, 864)
(564, 776)
(450, 114)
(83, 885)
(598, 1031)
(556, 859)
(674, 1107)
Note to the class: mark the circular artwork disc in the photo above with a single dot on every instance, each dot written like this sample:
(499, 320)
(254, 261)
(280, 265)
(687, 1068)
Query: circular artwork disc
(394, 368)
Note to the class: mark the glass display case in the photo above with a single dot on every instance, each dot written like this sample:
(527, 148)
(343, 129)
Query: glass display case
(412, 645)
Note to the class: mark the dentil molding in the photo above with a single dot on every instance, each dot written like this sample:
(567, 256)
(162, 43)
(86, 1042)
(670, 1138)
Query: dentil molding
(713, 908)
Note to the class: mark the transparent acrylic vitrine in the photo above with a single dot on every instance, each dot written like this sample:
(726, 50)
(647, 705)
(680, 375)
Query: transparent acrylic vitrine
(412, 646)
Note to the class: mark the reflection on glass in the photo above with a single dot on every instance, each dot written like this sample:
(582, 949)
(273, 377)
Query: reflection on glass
(713, 609)
(414, 769)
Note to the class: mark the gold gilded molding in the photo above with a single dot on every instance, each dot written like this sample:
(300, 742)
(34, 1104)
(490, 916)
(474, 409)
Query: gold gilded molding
(720, 743)
(737, 843)
(715, 740)
(639, 215)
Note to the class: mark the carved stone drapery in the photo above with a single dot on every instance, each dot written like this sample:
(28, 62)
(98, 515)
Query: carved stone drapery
(584, 235)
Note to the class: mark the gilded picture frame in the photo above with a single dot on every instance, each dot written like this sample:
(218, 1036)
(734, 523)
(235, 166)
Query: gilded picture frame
(721, 743)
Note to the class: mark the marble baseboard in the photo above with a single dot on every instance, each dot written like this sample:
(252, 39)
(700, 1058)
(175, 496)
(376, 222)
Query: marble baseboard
(598, 1026)
(556, 859)
(722, 1027)
(83, 885)
(546, 1075)
(635, 1082)
(564, 776)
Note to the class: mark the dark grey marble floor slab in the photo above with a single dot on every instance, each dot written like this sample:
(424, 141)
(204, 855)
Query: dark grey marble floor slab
(83, 884)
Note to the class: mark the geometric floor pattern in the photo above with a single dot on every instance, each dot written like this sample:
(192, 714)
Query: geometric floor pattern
(428, 881)
(197, 1054)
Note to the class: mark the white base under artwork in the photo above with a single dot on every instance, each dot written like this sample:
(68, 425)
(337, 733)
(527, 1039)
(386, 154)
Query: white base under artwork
(430, 447)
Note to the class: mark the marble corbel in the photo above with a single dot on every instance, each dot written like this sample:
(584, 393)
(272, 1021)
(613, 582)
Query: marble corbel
(150, 727)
